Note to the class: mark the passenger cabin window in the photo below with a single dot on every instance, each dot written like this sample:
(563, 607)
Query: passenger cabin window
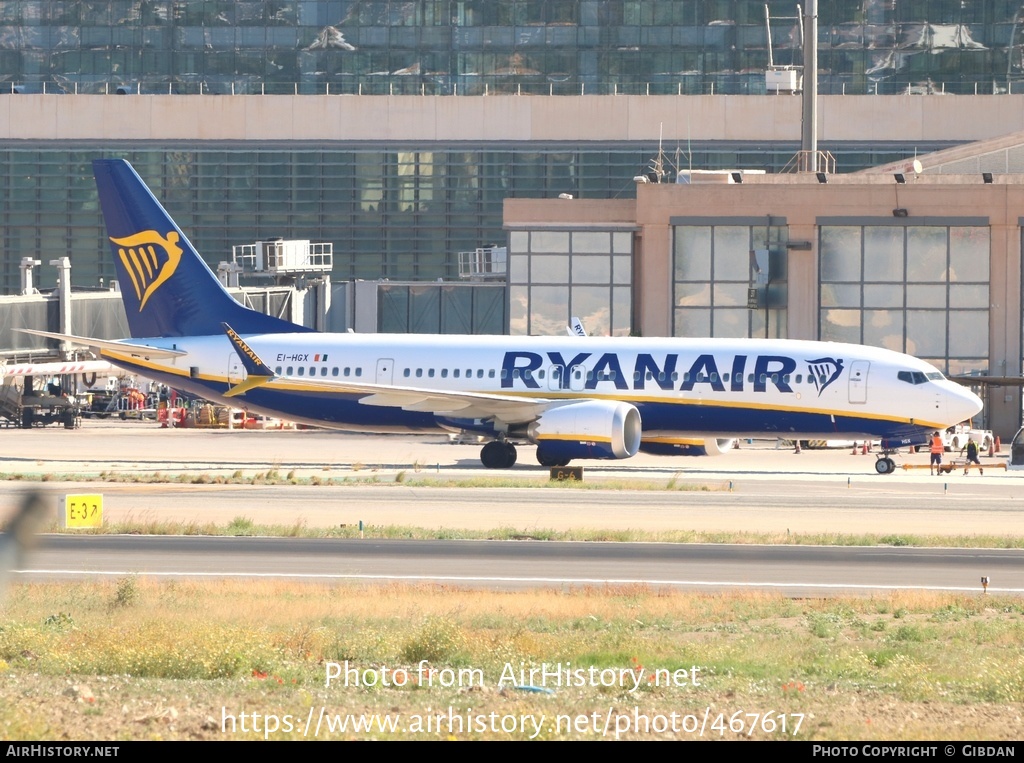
(419, 372)
(444, 373)
(278, 370)
(359, 372)
(405, 373)
(334, 371)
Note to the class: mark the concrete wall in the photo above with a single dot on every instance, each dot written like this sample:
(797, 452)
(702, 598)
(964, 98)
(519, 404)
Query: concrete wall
(503, 117)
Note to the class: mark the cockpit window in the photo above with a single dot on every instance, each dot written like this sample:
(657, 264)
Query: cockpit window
(913, 377)
(935, 376)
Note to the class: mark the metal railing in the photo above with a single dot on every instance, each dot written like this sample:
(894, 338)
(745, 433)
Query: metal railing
(485, 85)
(488, 262)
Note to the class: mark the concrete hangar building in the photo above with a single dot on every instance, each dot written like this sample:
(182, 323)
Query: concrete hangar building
(406, 132)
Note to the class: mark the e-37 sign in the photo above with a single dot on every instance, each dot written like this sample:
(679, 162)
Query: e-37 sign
(81, 511)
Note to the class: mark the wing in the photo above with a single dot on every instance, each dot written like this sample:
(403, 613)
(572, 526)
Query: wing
(511, 409)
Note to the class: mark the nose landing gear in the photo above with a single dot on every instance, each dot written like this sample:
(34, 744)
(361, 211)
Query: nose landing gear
(884, 464)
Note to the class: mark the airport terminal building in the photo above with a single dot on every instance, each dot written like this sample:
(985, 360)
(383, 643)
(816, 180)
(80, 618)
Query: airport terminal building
(406, 132)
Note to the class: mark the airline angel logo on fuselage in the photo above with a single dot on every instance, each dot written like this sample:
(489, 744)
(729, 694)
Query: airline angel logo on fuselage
(150, 259)
(824, 371)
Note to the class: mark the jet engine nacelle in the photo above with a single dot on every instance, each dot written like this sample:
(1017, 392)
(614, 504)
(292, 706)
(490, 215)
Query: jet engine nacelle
(676, 446)
(588, 429)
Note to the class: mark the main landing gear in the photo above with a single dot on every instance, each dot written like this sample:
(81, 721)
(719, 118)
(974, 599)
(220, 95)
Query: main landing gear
(546, 459)
(498, 454)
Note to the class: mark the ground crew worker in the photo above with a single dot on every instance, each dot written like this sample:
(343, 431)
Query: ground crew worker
(937, 449)
(972, 455)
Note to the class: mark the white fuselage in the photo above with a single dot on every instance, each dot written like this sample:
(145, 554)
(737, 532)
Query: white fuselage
(735, 387)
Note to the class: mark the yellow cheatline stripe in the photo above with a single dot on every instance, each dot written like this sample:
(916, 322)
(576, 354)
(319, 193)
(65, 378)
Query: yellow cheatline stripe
(592, 395)
(250, 383)
(142, 363)
(574, 438)
(296, 386)
(673, 440)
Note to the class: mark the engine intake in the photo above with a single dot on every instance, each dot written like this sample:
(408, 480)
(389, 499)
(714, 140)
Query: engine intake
(588, 429)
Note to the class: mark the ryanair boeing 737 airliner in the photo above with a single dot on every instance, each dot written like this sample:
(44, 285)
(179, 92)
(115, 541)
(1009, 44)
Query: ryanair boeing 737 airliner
(572, 397)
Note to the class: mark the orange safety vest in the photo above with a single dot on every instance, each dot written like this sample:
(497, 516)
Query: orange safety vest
(937, 446)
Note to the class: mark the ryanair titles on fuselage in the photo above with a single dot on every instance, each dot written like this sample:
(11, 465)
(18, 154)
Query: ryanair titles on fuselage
(744, 372)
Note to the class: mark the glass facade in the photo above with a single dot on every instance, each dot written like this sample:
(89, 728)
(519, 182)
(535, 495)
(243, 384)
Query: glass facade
(488, 46)
(555, 275)
(391, 211)
(441, 308)
(714, 265)
(919, 289)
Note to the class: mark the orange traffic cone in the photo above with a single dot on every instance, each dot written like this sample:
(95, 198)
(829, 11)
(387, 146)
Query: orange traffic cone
(864, 449)
(996, 444)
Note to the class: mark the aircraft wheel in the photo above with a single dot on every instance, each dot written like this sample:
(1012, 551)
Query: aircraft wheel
(884, 465)
(498, 455)
(544, 459)
(492, 455)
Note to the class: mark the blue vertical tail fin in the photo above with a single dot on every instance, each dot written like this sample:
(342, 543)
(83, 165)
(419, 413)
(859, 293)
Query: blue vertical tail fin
(166, 287)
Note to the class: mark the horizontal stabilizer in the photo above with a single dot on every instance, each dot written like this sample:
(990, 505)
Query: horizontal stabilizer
(104, 345)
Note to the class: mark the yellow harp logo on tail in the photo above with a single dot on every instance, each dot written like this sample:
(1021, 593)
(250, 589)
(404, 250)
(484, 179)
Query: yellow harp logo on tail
(150, 259)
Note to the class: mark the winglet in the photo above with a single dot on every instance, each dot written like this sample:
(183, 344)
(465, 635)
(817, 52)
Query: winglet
(256, 371)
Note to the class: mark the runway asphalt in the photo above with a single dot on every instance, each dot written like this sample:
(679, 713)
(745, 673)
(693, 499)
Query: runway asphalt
(757, 488)
(790, 570)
